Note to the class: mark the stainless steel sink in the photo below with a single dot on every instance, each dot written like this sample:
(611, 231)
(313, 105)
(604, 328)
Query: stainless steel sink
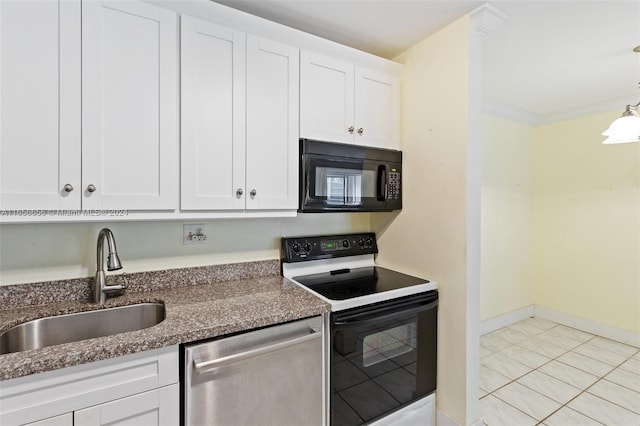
(59, 329)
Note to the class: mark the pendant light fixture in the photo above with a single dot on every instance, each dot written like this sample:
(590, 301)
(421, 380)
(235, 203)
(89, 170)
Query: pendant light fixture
(626, 128)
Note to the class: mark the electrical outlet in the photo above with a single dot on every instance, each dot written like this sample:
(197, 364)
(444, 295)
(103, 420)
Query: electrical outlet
(194, 234)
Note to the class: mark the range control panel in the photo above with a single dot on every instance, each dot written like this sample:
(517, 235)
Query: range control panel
(300, 249)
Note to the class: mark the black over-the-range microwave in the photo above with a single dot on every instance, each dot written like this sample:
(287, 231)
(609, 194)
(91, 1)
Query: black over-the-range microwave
(338, 177)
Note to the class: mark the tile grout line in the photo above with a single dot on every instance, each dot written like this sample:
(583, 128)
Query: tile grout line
(603, 378)
(583, 390)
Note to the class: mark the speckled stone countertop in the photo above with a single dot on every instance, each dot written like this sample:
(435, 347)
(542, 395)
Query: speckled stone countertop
(200, 303)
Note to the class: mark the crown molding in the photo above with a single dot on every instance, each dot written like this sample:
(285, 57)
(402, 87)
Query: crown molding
(511, 113)
(486, 18)
(531, 119)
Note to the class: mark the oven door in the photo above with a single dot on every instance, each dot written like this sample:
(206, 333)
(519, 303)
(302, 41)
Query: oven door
(383, 357)
(332, 184)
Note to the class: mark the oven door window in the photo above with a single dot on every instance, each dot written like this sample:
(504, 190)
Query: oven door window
(388, 344)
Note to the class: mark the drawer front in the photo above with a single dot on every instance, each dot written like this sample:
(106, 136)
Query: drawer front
(49, 394)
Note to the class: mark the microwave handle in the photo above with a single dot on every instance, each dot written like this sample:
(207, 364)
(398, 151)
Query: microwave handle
(382, 182)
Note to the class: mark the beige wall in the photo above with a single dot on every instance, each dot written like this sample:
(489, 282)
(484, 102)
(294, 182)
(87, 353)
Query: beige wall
(586, 222)
(507, 245)
(429, 236)
(42, 252)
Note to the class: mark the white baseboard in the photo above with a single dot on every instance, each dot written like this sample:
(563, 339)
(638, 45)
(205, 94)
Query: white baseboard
(604, 330)
(504, 320)
(443, 420)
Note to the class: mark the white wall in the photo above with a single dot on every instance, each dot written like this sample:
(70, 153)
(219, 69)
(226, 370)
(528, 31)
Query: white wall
(507, 244)
(429, 236)
(43, 252)
(561, 222)
(586, 216)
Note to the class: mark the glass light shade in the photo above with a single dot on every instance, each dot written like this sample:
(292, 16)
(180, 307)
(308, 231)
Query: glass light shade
(624, 130)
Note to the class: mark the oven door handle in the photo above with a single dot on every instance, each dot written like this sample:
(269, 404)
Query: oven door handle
(373, 317)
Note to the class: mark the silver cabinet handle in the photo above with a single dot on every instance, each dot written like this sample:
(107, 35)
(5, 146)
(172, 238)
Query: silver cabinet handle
(239, 192)
(360, 131)
(200, 366)
(68, 188)
(253, 192)
(350, 129)
(91, 188)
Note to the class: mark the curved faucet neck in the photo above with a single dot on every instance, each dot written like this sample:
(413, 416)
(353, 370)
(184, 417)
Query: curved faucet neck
(105, 233)
(113, 262)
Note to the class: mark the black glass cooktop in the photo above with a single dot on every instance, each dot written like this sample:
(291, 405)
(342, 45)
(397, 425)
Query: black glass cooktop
(344, 284)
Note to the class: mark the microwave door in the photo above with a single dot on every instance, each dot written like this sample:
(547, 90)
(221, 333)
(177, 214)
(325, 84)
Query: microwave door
(341, 185)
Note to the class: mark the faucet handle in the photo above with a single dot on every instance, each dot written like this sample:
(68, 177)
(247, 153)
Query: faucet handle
(118, 287)
(126, 282)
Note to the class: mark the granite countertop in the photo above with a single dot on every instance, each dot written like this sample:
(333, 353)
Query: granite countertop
(209, 305)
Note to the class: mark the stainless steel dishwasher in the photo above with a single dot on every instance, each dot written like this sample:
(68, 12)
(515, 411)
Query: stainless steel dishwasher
(271, 376)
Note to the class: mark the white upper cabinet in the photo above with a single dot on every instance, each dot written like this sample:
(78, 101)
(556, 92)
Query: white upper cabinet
(88, 113)
(239, 129)
(376, 109)
(272, 124)
(326, 98)
(39, 104)
(213, 68)
(341, 102)
(129, 106)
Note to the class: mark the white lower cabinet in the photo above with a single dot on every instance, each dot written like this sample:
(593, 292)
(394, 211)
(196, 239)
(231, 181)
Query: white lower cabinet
(156, 407)
(61, 420)
(140, 389)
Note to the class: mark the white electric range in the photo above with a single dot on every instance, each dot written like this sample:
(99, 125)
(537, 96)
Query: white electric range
(382, 330)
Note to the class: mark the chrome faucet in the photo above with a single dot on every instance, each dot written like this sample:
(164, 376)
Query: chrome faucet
(100, 287)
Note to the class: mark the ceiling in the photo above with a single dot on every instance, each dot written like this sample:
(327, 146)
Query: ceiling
(550, 60)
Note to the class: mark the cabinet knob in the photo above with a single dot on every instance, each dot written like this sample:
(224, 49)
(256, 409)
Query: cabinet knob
(68, 188)
(360, 131)
(253, 192)
(239, 192)
(350, 129)
(91, 188)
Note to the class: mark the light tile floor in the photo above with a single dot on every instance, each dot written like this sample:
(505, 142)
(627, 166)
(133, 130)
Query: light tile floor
(537, 372)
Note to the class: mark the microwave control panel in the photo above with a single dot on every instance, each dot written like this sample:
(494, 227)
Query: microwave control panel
(299, 249)
(393, 192)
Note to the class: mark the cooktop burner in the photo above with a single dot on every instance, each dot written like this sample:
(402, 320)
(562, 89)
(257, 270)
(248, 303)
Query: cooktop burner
(341, 270)
(347, 283)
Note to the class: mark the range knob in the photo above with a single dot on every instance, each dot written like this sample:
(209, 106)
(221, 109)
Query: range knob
(345, 243)
(306, 246)
(295, 247)
(361, 242)
(369, 241)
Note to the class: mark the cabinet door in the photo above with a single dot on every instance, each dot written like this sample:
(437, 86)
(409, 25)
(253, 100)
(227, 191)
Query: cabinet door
(213, 68)
(63, 420)
(326, 98)
(272, 124)
(39, 104)
(158, 407)
(129, 106)
(376, 109)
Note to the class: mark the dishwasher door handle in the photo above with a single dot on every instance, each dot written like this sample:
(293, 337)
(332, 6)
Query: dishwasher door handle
(202, 366)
